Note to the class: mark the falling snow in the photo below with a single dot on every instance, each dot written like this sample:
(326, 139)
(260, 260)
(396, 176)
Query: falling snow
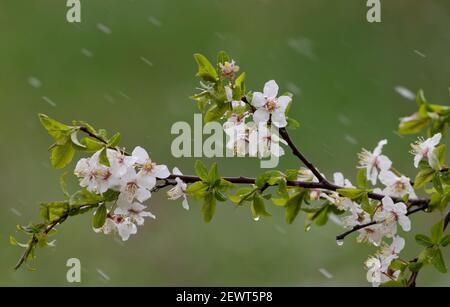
(350, 139)
(87, 53)
(280, 229)
(154, 21)
(325, 273)
(104, 28)
(34, 82)
(343, 119)
(404, 92)
(16, 212)
(102, 274)
(49, 101)
(146, 61)
(419, 53)
(293, 88)
(303, 46)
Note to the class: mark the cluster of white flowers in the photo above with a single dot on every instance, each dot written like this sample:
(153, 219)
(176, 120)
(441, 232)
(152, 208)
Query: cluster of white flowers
(378, 270)
(134, 176)
(388, 213)
(255, 138)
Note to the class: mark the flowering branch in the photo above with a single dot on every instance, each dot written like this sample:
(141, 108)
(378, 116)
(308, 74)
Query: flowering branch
(117, 183)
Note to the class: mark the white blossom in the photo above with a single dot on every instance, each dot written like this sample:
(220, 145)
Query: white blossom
(268, 106)
(179, 190)
(149, 170)
(94, 176)
(426, 149)
(374, 161)
(378, 265)
(134, 187)
(389, 214)
(134, 212)
(265, 142)
(396, 186)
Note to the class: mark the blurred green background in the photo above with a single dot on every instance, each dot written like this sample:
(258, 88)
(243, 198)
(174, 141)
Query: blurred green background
(128, 67)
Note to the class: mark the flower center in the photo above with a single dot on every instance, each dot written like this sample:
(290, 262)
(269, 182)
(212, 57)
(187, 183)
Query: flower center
(399, 186)
(271, 105)
(148, 166)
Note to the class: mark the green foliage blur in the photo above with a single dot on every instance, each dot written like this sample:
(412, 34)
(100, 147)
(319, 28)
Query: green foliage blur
(128, 67)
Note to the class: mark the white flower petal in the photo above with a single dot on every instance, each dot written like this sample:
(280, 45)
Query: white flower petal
(258, 100)
(270, 89)
(141, 154)
(279, 119)
(261, 116)
(161, 171)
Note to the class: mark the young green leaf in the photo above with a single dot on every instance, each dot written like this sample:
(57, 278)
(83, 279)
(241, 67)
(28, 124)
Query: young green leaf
(208, 207)
(56, 129)
(445, 241)
(423, 240)
(100, 216)
(213, 175)
(63, 184)
(62, 155)
(201, 170)
(424, 176)
(206, 70)
(103, 158)
(258, 208)
(437, 231)
(293, 206)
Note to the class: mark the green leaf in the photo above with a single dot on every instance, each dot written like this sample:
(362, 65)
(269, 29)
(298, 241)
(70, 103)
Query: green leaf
(320, 217)
(99, 216)
(293, 206)
(215, 113)
(197, 189)
(258, 207)
(208, 207)
(240, 85)
(413, 126)
(53, 211)
(63, 184)
(91, 145)
(115, 140)
(241, 195)
(292, 123)
(110, 195)
(424, 176)
(225, 185)
(420, 98)
(223, 57)
(292, 174)
(437, 184)
(206, 70)
(445, 241)
(54, 128)
(351, 193)
(201, 170)
(361, 178)
(213, 175)
(438, 261)
(220, 196)
(437, 231)
(440, 153)
(74, 139)
(84, 197)
(103, 158)
(62, 155)
(424, 240)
